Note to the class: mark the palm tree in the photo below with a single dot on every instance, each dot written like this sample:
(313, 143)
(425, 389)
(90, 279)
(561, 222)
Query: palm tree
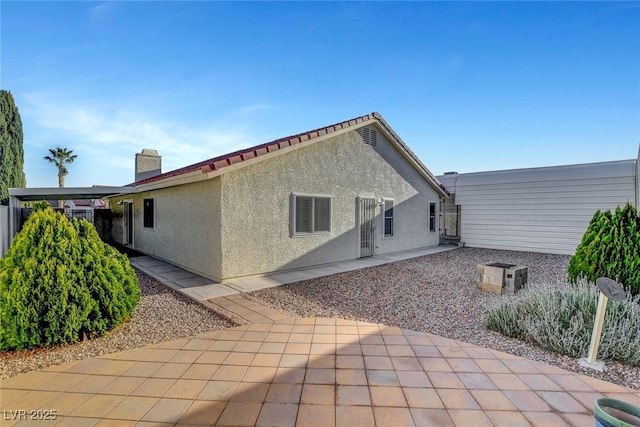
(61, 157)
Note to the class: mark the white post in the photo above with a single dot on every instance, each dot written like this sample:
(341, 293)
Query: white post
(597, 329)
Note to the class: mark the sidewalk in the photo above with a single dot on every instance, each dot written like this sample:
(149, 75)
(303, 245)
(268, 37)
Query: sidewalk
(202, 289)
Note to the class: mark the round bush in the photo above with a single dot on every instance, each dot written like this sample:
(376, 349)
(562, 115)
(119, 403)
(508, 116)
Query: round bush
(60, 283)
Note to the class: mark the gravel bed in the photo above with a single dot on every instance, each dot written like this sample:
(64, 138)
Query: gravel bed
(161, 315)
(435, 294)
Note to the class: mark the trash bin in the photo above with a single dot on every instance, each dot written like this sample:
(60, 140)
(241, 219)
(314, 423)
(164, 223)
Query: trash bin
(616, 413)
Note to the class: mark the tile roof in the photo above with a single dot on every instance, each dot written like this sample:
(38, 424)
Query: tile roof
(229, 159)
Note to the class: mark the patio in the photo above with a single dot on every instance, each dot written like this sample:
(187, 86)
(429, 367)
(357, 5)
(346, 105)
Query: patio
(307, 372)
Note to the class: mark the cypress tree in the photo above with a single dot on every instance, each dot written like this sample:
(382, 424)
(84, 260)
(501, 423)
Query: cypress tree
(610, 248)
(11, 149)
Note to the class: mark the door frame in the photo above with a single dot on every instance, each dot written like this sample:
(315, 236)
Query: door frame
(372, 204)
(127, 223)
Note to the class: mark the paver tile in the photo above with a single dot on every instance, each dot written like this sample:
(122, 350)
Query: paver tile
(426, 398)
(250, 392)
(91, 384)
(545, 419)
(240, 414)
(185, 389)
(508, 419)
(349, 362)
(457, 399)
(445, 380)
(526, 400)
(403, 363)
(349, 395)
(132, 408)
(229, 373)
(203, 412)
(378, 362)
(294, 361)
(493, 400)
(413, 379)
(200, 372)
(508, 382)
(387, 396)
(464, 365)
(361, 416)
(153, 387)
(64, 403)
(284, 393)
(351, 377)
(171, 370)
(382, 378)
(435, 364)
(122, 385)
(562, 401)
(316, 415)
(392, 417)
(290, 375)
(476, 381)
(469, 417)
(320, 376)
(319, 394)
(97, 406)
(431, 417)
(260, 374)
(539, 382)
(268, 360)
(218, 390)
(321, 361)
(277, 415)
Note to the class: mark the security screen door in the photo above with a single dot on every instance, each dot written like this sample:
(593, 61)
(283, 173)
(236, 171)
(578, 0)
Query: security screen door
(367, 226)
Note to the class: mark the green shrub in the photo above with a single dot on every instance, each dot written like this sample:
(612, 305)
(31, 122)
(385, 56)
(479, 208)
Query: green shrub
(562, 320)
(60, 283)
(610, 248)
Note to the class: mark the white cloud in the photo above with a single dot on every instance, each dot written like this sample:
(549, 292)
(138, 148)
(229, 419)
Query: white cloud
(113, 135)
(101, 11)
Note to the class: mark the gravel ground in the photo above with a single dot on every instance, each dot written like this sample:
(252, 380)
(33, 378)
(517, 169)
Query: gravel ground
(435, 294)
(161, 315)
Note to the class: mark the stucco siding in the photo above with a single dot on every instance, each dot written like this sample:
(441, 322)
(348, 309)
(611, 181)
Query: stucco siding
(256, 205)
(186, 228)
(540, 209)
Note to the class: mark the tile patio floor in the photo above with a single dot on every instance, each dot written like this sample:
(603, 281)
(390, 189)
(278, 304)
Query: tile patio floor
(307, 372)
(278, 371)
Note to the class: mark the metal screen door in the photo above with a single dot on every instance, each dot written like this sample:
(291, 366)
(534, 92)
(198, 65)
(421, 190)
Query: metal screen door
(367, 226)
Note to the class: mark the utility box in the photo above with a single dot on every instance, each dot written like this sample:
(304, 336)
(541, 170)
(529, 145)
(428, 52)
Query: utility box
(501, 278)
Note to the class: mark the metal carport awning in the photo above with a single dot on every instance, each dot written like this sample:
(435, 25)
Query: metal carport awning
(17, 195)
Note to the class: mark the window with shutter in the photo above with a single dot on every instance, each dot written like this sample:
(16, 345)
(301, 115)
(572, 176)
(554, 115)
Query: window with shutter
(312, 215)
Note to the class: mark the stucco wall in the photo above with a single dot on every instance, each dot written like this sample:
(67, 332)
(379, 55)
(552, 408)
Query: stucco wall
(256, 211)
(187, 226)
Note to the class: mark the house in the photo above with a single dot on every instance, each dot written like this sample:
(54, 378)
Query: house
(341, 192)
(544, 209)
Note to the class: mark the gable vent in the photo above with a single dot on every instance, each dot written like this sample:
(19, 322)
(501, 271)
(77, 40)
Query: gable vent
(369, 136)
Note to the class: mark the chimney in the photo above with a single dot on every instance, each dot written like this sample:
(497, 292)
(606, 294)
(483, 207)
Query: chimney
(148, 164)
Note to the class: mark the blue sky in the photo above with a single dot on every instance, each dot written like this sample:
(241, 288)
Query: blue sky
(469, 86)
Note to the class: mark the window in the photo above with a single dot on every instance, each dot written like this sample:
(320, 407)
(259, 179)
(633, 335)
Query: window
(148, 218)
(312, 214)
(388, 218)
(432, 217)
